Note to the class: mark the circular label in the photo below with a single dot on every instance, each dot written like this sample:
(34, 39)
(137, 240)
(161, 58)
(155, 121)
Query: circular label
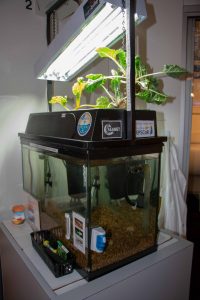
(108, 130)
(84, 124)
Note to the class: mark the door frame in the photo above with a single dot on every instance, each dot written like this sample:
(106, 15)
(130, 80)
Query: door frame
(189, 13)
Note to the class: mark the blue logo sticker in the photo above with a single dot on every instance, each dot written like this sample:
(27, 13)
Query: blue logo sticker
(84, 124)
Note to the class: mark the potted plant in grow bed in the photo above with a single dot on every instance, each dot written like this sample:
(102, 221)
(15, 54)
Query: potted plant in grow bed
(113, 86)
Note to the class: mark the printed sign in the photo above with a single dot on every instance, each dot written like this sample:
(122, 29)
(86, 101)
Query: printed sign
(32, 212)
(29, 4)
(89, 7)
(79, 232)
(145, 128)
(84, 124)
(111, 129)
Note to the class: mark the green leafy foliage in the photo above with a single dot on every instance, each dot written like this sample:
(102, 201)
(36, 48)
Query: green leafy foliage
(59, 100)
(118, 56)
(147, 84)
(152, 96)
(114, 85)
(77, 90)
(103, 102)
(174, 71)
(140, 69)
(94, 82)
(121, 57)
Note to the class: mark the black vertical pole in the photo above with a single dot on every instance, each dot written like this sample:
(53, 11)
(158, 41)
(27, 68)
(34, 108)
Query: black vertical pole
(49, 83)
(130, 37)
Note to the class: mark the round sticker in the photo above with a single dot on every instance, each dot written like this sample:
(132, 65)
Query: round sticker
(84, 124)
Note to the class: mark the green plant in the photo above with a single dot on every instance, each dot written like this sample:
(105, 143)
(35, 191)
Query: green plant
(114, 85)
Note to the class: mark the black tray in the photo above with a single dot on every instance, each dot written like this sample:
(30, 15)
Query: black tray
(58, 265)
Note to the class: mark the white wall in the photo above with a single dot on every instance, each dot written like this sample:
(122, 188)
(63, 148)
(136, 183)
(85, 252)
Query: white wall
(22, 41)
(160, 40)
(166, 43)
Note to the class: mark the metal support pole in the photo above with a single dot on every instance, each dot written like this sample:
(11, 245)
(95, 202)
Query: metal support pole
(130, 49)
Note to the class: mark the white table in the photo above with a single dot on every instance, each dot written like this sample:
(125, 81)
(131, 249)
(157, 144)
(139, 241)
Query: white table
(164, 274)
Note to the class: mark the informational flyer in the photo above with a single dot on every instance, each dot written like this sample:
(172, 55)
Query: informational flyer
(32, 212)
(145, 128)
(78, 231)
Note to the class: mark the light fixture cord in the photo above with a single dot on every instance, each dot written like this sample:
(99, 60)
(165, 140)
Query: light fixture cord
(123, 25)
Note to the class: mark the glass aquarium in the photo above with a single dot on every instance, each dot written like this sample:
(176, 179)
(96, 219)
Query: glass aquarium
(106, 207)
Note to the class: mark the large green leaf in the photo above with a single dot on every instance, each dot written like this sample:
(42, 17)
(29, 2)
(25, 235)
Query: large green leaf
(137, 61)
(59, 100)
(140, 68)
(102, 102)
(153, 82)
(107, 52)
(78, 87)
(152, 96)
(94, 76)
(94, 81)
(118, 56)
(121, 57)
(174, 71)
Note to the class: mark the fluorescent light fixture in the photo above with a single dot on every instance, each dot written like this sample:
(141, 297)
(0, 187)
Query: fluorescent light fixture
(90, 27)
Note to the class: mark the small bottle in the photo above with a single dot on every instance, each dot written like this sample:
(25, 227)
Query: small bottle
(98, 239)
(18, 214)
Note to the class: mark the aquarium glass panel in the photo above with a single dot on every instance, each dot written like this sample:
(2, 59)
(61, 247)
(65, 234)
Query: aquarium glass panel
(106, 208)
(33, 172)
(124, 202)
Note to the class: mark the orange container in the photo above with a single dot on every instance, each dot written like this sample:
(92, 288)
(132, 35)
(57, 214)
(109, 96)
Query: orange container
(18, 214)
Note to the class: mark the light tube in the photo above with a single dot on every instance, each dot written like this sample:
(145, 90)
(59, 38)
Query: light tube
(82, 49)
(103, 30)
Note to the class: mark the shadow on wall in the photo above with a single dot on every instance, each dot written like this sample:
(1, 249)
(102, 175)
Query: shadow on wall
(141, 32)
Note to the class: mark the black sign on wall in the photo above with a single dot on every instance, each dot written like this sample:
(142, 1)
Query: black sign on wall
(29, 4)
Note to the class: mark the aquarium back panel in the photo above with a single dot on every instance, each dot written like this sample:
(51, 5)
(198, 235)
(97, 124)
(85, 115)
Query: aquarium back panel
(106, 208)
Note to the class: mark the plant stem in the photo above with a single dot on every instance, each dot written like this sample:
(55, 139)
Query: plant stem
(149, 75)
(78, 101)
(120, 67)
(109, 95)
(110, 77)
(65, 107)
(88, 105)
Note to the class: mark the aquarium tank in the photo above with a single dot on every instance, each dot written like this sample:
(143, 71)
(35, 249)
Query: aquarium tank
(103, 200)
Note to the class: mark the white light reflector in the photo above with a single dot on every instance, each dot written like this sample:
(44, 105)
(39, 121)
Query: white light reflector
(75, 53)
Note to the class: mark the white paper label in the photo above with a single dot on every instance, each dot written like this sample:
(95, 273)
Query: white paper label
(79, 232)
(145, 128)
